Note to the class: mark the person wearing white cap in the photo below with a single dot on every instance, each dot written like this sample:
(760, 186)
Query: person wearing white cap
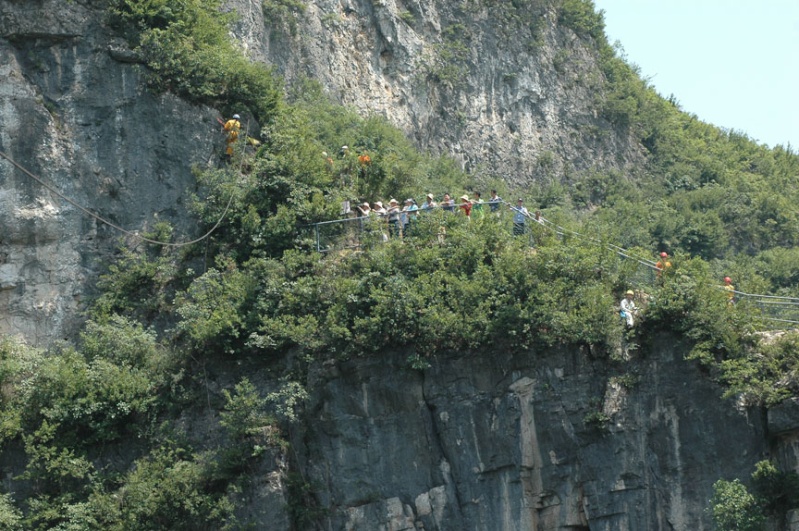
(429, 204)
(393, 214)
(627, 309)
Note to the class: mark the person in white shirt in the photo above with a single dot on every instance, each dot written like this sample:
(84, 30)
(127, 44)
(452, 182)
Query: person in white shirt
(628, 309)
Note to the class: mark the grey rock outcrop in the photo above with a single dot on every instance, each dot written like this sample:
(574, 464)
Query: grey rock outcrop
(507, 91)
(526, 440)
(75, 113)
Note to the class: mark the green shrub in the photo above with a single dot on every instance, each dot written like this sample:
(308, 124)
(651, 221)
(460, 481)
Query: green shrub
(137, 284)
(10, 515)
(283, 13)
(188, 51)
(733, 507)
(768, 374)
(88, 401)
(777, 491)
(212, 308)
(169, 490)
(581, 16)
(122, 341)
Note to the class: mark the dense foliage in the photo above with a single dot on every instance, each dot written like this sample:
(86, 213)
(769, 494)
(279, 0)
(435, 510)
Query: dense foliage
(256, 292)
(773, 493)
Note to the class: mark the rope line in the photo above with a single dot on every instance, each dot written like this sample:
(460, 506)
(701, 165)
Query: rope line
(776, 300)
(110, 223)
(621, 251)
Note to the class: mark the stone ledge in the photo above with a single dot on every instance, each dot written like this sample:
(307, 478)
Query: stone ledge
(784, 417)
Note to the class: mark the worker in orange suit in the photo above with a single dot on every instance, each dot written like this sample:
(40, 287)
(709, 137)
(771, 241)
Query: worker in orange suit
(232, 127)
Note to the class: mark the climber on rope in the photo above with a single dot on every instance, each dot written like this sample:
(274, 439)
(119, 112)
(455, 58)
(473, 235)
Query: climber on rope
(232, 128)
(663, 264)
(730, 290)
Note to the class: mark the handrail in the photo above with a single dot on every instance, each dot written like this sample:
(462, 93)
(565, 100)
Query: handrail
(765, 302)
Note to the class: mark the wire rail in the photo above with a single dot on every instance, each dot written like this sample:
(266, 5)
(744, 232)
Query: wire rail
(774, 308)
(350, 230)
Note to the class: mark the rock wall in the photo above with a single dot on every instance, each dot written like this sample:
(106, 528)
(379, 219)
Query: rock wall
(523, 441)
(75, 113)
(520, 102)
(507, 441)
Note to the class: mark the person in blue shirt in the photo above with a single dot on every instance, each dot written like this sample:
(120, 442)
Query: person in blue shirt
(494, 201)
(409, 211)
(520, 215)
(429, 204)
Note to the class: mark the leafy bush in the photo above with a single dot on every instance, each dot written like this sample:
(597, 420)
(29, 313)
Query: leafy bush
(89, 401)
(211, 307)
(777, 491)
(768, 376)
(283, 13)
(168, 490)
(137, 284)
(10, 515)
(188, 51)
(733, 507)
(581, 16)
(123, 342)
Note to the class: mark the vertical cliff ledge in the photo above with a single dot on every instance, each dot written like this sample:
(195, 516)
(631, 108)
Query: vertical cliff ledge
(507, 90)
(74, 111)
(526, 440)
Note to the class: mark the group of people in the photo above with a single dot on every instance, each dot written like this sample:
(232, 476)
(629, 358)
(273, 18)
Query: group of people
(400, 218)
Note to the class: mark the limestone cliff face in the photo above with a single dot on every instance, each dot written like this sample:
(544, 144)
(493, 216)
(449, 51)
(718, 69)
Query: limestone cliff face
(526, 440)
(509, 441)
(505, 90)
(75, 113)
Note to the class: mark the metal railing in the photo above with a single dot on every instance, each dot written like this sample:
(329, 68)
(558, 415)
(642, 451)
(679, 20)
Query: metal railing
(357, 232)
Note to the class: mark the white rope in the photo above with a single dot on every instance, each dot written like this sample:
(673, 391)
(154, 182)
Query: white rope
(109, 223)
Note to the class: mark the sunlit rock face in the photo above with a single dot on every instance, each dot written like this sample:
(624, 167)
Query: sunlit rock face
(75, 114)
(507, 92)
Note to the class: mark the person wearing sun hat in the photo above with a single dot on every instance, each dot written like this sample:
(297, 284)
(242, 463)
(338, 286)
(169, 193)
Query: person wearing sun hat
(465, 205)
(378, 208)
(364, 209)
(627, 309)
(409, 211)
(429, 203)
(393, 213)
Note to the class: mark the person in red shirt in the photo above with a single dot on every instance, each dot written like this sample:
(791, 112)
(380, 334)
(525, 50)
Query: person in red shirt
(663, 263)
(466, 205)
